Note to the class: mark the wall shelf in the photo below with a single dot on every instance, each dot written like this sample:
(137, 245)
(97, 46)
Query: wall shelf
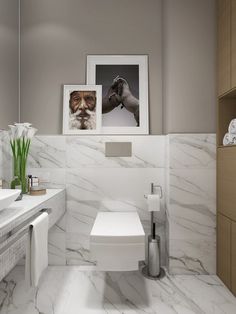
(226, 112)
(229, 94)
(226, 146)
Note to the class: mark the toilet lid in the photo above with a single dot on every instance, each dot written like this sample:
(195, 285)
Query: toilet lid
(117, 227)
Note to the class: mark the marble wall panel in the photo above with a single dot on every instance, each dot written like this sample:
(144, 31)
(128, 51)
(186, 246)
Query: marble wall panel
(96, 183)
(191, 203)
(183, 164)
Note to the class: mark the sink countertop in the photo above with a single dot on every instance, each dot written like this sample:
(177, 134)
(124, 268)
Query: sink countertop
(21, 209)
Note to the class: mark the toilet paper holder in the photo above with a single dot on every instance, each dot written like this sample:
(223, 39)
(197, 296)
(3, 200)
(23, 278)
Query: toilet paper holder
(153, 187)
(153, 270)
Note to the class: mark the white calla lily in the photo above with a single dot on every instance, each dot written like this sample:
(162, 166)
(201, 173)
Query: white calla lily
(20, 129)
(28, 125)
(31, 133)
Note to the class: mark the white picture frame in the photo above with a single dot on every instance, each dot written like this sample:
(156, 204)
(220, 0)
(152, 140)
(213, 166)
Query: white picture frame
(96, 63)
(72, 120)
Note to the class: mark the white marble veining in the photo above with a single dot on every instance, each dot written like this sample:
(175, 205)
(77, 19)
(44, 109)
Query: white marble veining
(56, 247)
(1, 155)
(192, 256)
(192, 151)
(47, 152)
(112, 184)
(91, 190)
(183, 164)
(5, 159)
(72, 290)
(94, 183)
(89, 151)
(191, 203)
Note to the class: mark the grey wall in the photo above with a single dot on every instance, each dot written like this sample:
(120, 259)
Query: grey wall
(8, 62)
(189, 66)
(57, 35)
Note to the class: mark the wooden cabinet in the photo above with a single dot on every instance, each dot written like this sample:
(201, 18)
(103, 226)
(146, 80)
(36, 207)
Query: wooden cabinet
(226, 155)
(224, 249)
(233, 254)
(224, 22)
(233, 43)
(226, 46)
(226, 216)
(226, 181)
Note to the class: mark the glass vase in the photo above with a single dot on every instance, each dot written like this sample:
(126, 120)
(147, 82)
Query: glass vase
(16, 183)
(19, 169)
(23, 178)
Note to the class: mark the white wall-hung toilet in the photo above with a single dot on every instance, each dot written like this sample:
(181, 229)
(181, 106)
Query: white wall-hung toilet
(117, 241)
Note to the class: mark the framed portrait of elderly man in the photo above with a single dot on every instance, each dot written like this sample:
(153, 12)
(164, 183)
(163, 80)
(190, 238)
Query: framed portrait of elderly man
(82, 109)
(124, 80)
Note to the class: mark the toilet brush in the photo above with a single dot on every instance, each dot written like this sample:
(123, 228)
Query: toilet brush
(154, 253)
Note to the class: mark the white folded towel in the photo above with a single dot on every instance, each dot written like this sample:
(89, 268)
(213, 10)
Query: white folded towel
(37, 250)
(229, 139)
(232, 127)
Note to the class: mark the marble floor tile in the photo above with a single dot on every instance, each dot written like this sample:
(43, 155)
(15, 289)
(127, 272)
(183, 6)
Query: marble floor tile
(75, 290)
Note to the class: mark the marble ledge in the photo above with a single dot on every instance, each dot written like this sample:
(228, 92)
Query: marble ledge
(19, 211)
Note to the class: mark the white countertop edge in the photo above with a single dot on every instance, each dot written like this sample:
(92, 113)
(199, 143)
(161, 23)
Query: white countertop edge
(26, 205)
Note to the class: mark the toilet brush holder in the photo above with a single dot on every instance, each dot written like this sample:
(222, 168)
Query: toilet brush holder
(153, 269)
(154, 261)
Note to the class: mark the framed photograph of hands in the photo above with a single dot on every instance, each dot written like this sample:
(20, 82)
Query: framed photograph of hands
(124, 81)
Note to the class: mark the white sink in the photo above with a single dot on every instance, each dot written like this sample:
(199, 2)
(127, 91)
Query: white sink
(7, 197)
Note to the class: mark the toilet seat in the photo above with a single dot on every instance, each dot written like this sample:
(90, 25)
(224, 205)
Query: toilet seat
(117, 241)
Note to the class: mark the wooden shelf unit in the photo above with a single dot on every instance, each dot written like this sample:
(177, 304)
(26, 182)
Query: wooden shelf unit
(226, 155)
(226, 46)
(226, 112)
(226, 216)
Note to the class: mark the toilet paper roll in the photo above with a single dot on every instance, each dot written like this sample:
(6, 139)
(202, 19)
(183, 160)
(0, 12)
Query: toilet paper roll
(154, 203)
